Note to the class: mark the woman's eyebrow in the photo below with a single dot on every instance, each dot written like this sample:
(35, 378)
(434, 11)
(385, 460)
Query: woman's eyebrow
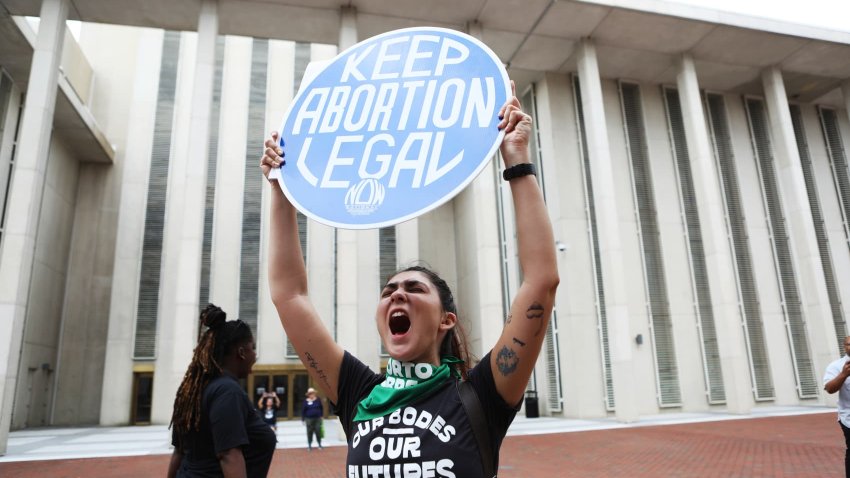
(412, 283)
(390, 286)
(407, 284)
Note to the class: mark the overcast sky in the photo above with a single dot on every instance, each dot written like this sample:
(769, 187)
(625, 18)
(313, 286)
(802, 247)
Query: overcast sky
(832, 14)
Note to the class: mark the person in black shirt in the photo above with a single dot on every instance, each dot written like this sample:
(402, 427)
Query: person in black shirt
(411, 421)
(216, 430)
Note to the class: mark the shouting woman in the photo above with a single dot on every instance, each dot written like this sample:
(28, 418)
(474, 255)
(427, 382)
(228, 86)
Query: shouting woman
(412, 421)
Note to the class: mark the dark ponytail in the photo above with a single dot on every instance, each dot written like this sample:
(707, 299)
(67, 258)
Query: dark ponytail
(219, 339)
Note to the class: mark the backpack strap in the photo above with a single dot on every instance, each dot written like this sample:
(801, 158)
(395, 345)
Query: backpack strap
(475, 414)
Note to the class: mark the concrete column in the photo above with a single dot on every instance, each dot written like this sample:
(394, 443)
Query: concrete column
(279, 86)
(18, 247)
(178, 311)
(226, 256)
(118, 364)
(407, 243)
(357, 261)
(610, 248)
(576, 332)
(476, 30)
(347, 27)
(845, 91)
(718, 252)
(798, 216)
(357, 255)
(478, 274)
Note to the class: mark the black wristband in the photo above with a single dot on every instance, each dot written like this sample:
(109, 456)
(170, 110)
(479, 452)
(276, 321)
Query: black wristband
(519, 170)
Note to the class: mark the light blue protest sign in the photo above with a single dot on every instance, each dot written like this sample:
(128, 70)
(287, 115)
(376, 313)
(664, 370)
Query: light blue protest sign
(392, 127)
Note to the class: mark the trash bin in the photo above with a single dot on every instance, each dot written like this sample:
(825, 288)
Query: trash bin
(531, 410)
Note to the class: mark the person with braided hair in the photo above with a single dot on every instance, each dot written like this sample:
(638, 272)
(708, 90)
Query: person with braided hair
(216, 431)
(418, 419)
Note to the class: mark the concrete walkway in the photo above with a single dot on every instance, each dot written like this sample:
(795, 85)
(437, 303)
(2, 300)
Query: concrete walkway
(772, 442)
(95, 442)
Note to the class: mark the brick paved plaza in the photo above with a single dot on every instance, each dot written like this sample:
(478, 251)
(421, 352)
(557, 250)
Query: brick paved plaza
(799, 446)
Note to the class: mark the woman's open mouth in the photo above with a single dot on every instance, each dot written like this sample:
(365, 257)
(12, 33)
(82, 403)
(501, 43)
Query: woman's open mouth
(399, 323)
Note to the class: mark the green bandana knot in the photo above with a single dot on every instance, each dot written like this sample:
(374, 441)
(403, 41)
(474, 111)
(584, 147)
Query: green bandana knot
(406, 383)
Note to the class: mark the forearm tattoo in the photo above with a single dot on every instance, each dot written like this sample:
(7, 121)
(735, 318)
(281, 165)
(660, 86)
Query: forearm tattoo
(314, 364)
(506, 361)
(535, 312)
(508, 321)
(519, 342)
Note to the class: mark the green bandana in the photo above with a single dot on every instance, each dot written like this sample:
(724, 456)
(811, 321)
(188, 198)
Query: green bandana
(405, 383)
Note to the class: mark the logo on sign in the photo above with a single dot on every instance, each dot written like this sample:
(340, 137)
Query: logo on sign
(393, 127)
(364, 197)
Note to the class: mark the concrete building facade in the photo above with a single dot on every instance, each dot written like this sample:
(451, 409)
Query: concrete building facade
(692, 161)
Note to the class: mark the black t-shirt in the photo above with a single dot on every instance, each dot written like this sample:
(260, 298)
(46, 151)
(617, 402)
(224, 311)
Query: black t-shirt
(432, 437)
(228, 420)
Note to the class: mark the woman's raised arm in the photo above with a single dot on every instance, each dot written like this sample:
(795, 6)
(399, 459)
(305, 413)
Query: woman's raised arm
(288, 286)
(515, 353)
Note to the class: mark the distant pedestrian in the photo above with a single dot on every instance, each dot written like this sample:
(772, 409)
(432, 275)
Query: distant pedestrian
(835, 380)
(268, 405)
(217, 431)
(311, 415)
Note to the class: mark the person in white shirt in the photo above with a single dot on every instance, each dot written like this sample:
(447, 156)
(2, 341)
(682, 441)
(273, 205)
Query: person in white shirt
(835, 380)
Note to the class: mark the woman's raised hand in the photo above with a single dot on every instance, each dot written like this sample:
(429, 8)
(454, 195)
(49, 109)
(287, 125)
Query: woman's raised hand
(272, 155)
(517, 127)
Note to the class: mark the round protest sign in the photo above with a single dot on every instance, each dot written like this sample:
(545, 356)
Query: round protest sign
(392, 127)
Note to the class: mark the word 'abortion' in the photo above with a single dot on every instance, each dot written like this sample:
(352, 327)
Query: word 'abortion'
(370, 107)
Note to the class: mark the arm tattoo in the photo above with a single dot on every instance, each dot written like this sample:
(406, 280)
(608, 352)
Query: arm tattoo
(520, 342)
(507, 361)
(314, 364)
(535, 311)
(508, 321)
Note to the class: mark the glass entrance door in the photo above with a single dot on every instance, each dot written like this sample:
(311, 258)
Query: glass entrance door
(300, 384)
(142, 398)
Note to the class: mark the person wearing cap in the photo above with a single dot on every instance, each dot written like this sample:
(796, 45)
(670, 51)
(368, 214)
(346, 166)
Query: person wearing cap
(311, 415)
